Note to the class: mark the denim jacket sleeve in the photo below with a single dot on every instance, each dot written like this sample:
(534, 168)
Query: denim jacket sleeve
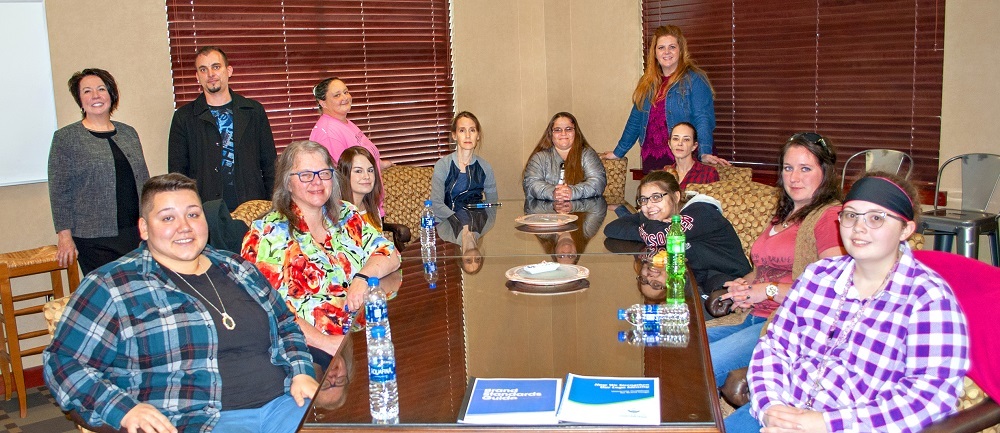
(690, 100)
(595, 178)
(635, 129)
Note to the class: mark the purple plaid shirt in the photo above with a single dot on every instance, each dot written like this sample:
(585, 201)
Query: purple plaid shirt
(900, 369)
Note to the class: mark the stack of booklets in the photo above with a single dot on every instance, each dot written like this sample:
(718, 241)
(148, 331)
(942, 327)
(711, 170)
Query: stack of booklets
(586, 400)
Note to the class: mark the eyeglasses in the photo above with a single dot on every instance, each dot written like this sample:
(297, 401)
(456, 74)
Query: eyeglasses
(654, 284)
(338, 382)
(873, 219)
(568, 130)
(655, 198)
(307, 176)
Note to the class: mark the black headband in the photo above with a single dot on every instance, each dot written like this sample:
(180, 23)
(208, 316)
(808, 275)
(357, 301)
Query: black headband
(882, 192)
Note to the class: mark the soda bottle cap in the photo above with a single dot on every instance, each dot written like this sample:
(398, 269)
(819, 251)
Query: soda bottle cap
(675, 218)
(372, 281)
(378, 331)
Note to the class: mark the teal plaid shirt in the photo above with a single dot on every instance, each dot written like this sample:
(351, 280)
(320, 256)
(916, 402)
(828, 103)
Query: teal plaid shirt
(129, 336)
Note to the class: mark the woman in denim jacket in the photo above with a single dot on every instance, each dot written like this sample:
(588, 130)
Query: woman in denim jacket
(672, 90)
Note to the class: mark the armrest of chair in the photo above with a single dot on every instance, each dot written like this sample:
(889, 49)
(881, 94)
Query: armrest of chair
(984, 414)
(400, 235)
(736, 391)
(78, 420)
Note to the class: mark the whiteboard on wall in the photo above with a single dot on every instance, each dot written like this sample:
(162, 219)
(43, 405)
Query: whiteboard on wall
(28, 114)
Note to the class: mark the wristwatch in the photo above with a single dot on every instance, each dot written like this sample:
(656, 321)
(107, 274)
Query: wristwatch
(363, 277)
(771, 291)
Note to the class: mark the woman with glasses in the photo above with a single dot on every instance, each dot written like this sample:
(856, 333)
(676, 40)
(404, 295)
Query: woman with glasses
(96, 170)
(803, 230)
(671, 90)
(870, 341)
(714, 254)
(563, 166)
(316, 250)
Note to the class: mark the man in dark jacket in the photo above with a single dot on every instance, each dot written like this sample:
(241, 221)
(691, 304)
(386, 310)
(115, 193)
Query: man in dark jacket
(221, 139)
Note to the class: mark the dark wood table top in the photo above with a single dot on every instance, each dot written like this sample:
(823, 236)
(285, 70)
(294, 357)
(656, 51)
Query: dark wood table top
(474, 325)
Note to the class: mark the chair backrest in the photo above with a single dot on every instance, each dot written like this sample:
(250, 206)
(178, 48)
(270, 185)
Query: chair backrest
(406, 188)
(251, 210)
(980, 179)
(617, 172)
(975, 286)
(887, 160)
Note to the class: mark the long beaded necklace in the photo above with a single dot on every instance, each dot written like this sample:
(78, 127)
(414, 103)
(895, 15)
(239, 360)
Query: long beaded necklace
(827, 364)
(227, 320)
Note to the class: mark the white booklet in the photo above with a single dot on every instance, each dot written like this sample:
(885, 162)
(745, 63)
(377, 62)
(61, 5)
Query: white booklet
(511, 401)
(611, 400)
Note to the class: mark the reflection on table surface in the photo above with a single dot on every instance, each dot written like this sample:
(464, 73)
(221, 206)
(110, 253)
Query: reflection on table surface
(473, 325)
(494, 231)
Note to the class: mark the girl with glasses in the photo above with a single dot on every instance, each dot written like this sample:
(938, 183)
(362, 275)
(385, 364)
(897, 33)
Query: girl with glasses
(316, 250)
(870, 341)
(714, 252)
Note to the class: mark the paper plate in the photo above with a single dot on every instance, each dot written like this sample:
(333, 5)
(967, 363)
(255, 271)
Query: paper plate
(546, 219)
(564, 274)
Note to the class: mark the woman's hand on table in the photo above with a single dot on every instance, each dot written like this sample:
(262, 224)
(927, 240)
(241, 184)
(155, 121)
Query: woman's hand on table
(303, 387)
(562, 193)
(66, 250)
(356, 294)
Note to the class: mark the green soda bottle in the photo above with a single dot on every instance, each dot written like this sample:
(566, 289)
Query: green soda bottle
(676, 267)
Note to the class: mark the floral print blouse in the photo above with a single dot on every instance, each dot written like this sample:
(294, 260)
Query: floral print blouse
(313, 278)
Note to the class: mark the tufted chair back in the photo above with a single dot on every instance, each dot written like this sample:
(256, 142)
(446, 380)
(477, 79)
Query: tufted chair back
(747, 205)
(617, 172)
(406, 188)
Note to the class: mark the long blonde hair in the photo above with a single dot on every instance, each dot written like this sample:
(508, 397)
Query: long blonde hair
(652, 77)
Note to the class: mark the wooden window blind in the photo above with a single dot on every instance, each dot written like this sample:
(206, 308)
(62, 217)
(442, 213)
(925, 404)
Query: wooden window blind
(865, 74)
(394, 56)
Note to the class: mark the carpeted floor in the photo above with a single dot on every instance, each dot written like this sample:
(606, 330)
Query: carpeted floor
(44, 415)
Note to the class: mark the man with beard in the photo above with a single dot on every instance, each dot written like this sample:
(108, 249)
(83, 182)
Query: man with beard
(221, 139)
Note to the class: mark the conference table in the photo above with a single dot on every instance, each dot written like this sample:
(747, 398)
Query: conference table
(479, 324)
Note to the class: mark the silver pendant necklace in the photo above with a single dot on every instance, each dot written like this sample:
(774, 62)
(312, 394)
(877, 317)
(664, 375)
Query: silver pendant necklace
(227, 320)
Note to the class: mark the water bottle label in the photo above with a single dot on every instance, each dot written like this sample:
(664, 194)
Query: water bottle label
(427, 221)
(430, 267)
(376, 312)
(382, 371)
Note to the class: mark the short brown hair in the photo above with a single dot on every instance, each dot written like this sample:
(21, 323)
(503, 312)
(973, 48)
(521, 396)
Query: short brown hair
(163, 183)
(105, 76)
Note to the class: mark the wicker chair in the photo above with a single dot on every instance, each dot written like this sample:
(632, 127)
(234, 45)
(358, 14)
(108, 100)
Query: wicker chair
(617, 172)
(251, 210)
(20, 264)
(406, 188)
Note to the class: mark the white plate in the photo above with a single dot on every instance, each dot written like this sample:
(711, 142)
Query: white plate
(564, 274)
(546, 219)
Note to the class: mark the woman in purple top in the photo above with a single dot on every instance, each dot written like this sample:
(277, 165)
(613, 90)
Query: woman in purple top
(869, 341)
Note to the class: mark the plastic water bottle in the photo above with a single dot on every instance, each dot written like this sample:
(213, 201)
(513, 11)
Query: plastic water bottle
(675, 266)
(640, 337)
(428, 244)
(376, 309)
(642, 316)
(657, 317)
(383, 395)
(431, 274)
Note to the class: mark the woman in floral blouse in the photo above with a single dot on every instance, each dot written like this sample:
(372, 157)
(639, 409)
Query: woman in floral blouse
(315, 249)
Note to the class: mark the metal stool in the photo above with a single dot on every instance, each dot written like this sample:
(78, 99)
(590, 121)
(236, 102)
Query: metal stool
(20, 264)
